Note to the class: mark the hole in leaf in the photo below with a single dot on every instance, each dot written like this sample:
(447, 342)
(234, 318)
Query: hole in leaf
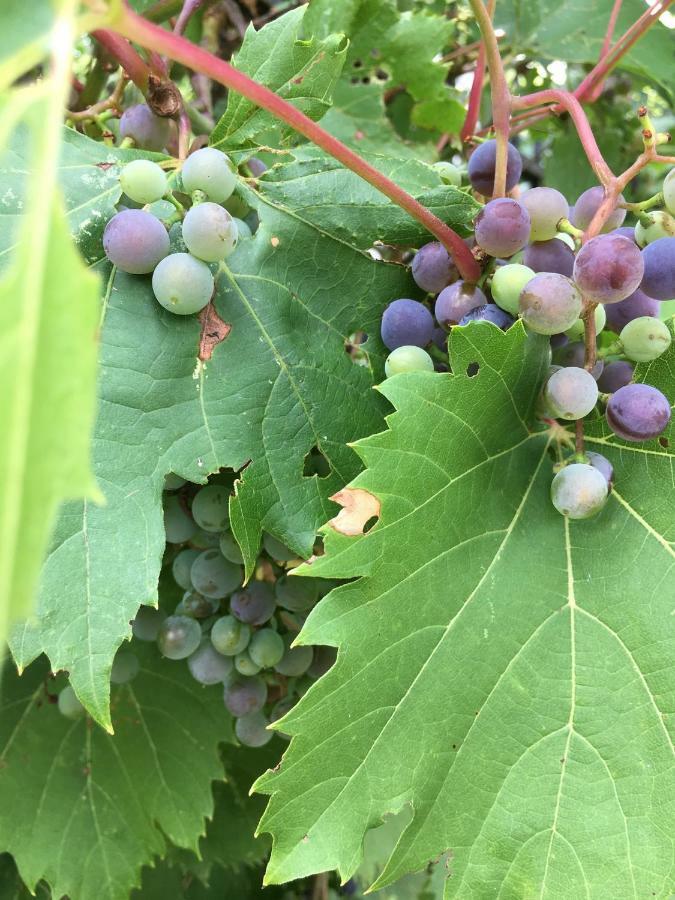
(472, 369)
(664, 442)
(372, 521)
(359, 508)
(357, 64)
(353, 348)
(316, 464)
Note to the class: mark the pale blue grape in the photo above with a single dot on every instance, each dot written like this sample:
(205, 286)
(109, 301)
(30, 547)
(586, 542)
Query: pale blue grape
(659, 269)
(406, 322)
(243, 229)
(207, 666)
(205, 540)
(245, 695)
(295, 661)
(214, 576)
(173, 482)
(550, 256)
(181, 565)
(602, 464)
(550, 303)
(433, 268)
(490, 312)
(623, 312)
(69, 705)
(210, 507)
(616, 375)
(125, 667)
(197, 605)
(209, 170)
(251, 730)
(143, 180)
(455, 301)
(182, 284)
(579, 491)
(669, 191)
(209, 232)
(254, 604)
(178, 524)
(407, 359)
(571, 393)
(546, 208)
(230, 548)
(178, 637)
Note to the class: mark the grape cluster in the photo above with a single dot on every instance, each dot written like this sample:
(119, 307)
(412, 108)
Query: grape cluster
(182, 258)
(535, 267)
(229, 634)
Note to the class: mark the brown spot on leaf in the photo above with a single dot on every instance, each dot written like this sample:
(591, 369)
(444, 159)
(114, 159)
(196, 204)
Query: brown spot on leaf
(214, 330)
(104, 165)
(358, 507)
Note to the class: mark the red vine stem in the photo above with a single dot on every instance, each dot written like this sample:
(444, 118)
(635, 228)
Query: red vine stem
(501, 96)
(145, 33)
(124, 53)
(473, 109)
(595, 92)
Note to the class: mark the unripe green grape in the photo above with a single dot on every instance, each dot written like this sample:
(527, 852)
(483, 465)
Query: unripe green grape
(278, 551)
(145, 626)
(576, 332)
(125, 667)
(266, 648)
(645, 339)
(669, 191)
(182, 284)
(296, 594)
(69, 705)
(204, 540)
(251, 730)
(295, 661)
(243, 229)
(230, 548)
(180, 567)
(178, 637)
(173, 482)
(245, 665)
(546, 207)
(143, 180)
(214, 576)
(507, 283)
(448, 173)
(579, 491)
(209, 232)
(209, 170)
(230, 636)
(210, 507)
(178, 524)
(237, 206)
(571, 393)
(408, 359)
(661, 224)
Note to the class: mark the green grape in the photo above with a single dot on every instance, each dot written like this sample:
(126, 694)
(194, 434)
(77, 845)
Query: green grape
(178, 637)
(178, 525)
(182, 284)
(579, 491)
(69, 705)
(143, 180)
(645, 339)
(448, 172)
(230, 636)
(576, 332)
(205, 540)
(277, 550)
(296, 660)
(209, 170)
(214, 576)
(230, 548)
(147, 623)
(209, 232)
(408, 359)
(243, 229)
(669, 191)
(251, 730)
(656, 225)
(507, 283)
(245, 665)
(173, 482)
(210, 507)
(125, 667)
(266, 648)
(296, 594)
(181, 565)
(236, 206)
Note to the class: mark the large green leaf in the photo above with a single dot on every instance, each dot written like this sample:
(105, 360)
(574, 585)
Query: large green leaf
(280, 384)
(503, 672)
(85, 810)
(301, 71)
(49, 314)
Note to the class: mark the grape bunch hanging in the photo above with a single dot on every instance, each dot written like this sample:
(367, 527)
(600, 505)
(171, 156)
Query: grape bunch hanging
(537, 269)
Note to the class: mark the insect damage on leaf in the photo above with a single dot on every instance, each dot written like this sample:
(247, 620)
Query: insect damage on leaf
(358, 508)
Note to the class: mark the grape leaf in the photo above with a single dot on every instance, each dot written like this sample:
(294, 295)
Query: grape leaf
(502, 672)
(301, 71)
(49, 315)
(84, 810)
(280, 384)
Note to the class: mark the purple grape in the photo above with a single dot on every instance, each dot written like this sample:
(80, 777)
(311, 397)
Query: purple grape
(406, 323)
(609, 268)
(440, 339)
(481, 169)
(623, 312)
(256, 166)
(659, 265)
(574, 355)
(245, 695)
(546, 207)
(550, 256)
(638, 412)
(255, 604)
(602, 464)
(626, 231)
(455, 301)
(559, 340)
(588, 204)
(549, 303)
(207, 666)
(615, 375)
(135, 241)
(489, 312)
(502, 227)
(433, 268)
(149, 132)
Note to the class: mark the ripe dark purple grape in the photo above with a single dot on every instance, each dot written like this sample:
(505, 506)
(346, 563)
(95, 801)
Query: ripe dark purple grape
(149, 132)
(455, 301)
(627, 231)
(608, 268)
(615, 375)
(550, 256)
(589, 203)
(659, 269)
(623, 312)
(255, 604)
(502, 227)
(481, 169)
(135, 241)
(490, 312)
(433, 268)
(406, 323)
(245, 695)
(638, 412)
